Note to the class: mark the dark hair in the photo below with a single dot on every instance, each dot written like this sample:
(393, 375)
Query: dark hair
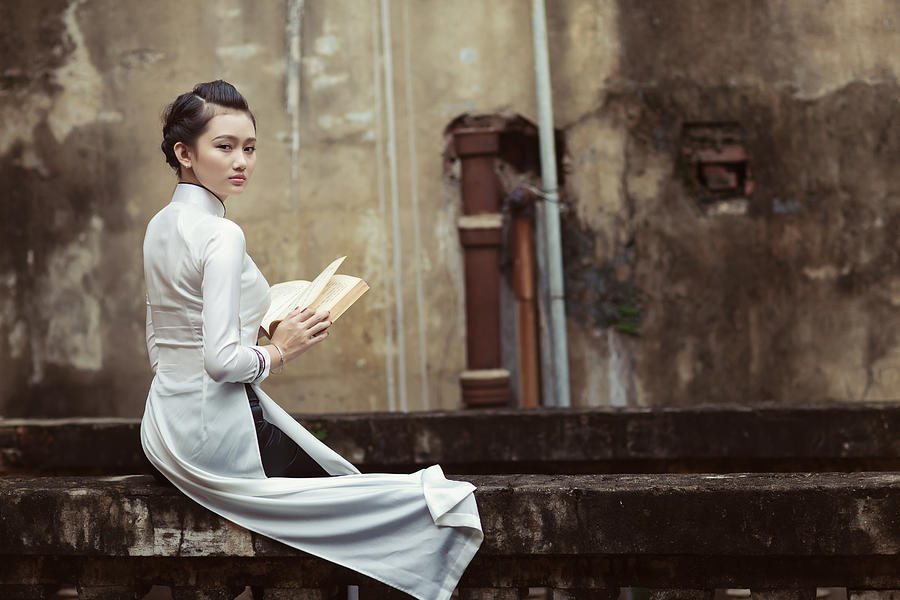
(187, 116)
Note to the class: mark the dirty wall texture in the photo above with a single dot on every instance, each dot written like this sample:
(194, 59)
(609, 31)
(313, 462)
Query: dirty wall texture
(83, 84)
(792, 298)
(672, 300)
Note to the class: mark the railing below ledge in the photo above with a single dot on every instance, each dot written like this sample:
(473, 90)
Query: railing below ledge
(585, 536)
(704, 439)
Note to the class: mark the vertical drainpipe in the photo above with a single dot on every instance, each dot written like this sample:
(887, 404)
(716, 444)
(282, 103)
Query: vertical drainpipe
(484, 382)
(549, 211)
(522, 213)
(292, 84)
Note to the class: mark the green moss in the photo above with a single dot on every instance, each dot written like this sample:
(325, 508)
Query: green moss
(629, 319)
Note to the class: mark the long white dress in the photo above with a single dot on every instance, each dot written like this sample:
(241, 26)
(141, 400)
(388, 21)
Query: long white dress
(205, 300)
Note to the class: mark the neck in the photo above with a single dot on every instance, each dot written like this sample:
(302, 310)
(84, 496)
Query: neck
(187, 176)
(198, 184)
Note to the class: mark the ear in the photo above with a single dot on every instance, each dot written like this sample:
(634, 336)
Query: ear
(183, 154)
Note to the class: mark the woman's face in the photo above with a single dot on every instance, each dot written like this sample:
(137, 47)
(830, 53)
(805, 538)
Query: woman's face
(224, 154)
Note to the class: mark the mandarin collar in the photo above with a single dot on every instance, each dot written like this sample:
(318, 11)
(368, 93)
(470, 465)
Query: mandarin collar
(199, 196)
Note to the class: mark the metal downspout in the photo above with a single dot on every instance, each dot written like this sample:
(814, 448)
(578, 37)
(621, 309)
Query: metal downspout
(550, 212)
(292, 84)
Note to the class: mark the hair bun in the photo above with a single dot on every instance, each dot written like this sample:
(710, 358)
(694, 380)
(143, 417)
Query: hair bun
(187, 116)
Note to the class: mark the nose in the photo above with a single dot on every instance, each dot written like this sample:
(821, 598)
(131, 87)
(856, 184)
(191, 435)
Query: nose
(240, 162)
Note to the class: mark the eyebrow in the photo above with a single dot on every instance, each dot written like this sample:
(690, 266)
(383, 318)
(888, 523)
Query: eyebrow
(233, 137)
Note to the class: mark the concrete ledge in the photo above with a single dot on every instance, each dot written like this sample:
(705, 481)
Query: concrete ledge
(690, 531)
(823, 437)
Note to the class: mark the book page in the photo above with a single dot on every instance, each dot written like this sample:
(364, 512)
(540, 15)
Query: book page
(284, 297)
(339, 294)
(318, 284)
(334, 290)
(328, 291)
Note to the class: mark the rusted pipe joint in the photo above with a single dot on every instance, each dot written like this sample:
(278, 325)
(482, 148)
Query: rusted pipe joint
(485, 387)
(521, 202)
(481, 230)
(475, 142)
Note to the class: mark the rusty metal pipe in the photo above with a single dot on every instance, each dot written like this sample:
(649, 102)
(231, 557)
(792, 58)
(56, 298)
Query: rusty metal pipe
(526, 302)
(482, 241)
(484, 382)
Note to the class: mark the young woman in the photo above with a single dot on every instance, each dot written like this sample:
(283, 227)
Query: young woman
(214, 433)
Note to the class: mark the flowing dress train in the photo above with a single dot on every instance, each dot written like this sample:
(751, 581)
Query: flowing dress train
(205, 298)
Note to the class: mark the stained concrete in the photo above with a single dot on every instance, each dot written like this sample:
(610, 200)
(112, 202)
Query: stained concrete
(784, 531)
(792, 300)
(711, 439)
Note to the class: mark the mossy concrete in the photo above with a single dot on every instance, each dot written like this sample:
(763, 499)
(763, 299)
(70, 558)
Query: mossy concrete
(824, 437)
(673, 531)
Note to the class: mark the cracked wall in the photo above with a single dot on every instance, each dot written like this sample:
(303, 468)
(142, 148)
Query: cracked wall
(793, 301)
(82, 84)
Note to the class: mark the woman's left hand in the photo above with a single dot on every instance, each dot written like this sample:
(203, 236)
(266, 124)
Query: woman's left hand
(299, 331)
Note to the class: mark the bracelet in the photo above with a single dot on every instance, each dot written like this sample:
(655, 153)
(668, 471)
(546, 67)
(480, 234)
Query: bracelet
(261, 363)
(281, 366)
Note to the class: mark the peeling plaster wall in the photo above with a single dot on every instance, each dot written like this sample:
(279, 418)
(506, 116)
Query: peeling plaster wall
(794, 301)
(82, 84)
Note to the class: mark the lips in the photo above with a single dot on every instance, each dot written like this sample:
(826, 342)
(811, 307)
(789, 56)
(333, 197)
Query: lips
(240, 178)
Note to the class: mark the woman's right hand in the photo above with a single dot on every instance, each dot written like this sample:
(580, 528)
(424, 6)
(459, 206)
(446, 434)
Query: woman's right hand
(300, 331)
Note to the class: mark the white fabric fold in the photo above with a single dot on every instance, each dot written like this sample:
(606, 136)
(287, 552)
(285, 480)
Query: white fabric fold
(416, 532)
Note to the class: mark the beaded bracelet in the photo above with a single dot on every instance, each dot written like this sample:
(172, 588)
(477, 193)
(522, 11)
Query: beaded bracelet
(281, 366)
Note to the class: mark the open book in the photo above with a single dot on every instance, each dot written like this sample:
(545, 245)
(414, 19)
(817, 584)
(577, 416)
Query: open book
(328, 291)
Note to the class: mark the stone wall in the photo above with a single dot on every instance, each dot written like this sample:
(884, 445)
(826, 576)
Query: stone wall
(792, 297)
(787, 295)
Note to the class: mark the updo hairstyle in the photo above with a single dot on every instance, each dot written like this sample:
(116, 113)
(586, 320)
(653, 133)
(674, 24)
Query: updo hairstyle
(187, 116)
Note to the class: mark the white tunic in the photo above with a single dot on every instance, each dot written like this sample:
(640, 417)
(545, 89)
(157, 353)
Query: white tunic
(205, 300)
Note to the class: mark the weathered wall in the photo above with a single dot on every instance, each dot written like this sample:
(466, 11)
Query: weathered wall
(83, 83)
(793, 300)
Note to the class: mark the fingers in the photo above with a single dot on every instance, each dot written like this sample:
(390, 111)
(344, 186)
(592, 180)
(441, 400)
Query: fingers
(319, 327)
(302, 330)
(304, 316)
(310, 317)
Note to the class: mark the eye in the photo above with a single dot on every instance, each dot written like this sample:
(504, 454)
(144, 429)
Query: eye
(224, 146)
(250, 149)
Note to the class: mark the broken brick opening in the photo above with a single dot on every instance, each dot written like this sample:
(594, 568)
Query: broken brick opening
(499, 172)
(717, 161)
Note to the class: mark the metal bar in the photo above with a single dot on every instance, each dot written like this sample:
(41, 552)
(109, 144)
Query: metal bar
(559, 342)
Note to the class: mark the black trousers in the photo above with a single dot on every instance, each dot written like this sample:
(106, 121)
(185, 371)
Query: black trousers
(281, 456)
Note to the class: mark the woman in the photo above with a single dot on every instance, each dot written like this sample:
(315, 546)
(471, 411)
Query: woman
(214, 433)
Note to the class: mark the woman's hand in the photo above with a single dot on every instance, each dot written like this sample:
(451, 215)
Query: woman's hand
(298, 332)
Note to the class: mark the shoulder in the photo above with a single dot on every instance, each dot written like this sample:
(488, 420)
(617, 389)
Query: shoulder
(158, 227)
(216, 235)
(158, 221)
(198, 226)
(219, 227)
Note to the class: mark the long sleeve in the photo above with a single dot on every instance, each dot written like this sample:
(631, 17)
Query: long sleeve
(225, 358)
(152, 350)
